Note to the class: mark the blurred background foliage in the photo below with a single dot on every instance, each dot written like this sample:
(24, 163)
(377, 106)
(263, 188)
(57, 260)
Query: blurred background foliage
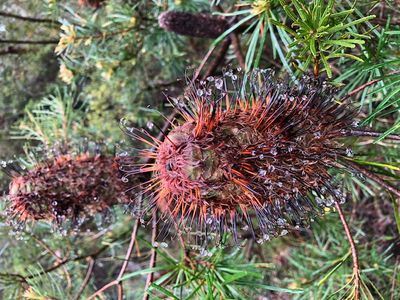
(70, 71)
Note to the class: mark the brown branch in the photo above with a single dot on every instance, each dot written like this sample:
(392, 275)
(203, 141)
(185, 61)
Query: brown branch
(153, 258)
(218, 59)
(237, 49)
(87, 277)
(28, 19)
(359, 89)
(14, 50)
(118, 281)
(373, 177)
(365, 85)
(354, 254)
(367, 133)
(38, 42)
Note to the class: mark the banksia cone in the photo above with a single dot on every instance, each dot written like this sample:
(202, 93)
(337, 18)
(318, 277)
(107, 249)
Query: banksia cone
(251, 153)
(66, 188)
(196, 25)
(91, 3)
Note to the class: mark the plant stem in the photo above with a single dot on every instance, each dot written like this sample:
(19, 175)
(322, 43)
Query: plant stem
(87, 277)
(354, 254)
(367, 173)
(153, 256)
(28, 19)
(367, 133)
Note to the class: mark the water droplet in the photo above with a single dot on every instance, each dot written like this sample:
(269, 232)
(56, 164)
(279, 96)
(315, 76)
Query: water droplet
(349, 152)
(150, 125)
(266, 237)
(274, 151)
(163, 245)
(199, 92)
(280, 222)
(234, 77)
(284, 232)
(261, 156)
(124, 179)
(210, 78)
(219, 83)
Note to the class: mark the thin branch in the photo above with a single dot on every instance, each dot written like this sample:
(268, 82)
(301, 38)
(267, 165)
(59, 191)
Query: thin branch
(354, 254)
(28, 19)
(87, 277)
(367, 173)
(118, 281)
(153, 258)
(359, 89)
(218, 59)
(237, 49)
(14, 50)
(367, 133)
(127, 258)
(38, 42)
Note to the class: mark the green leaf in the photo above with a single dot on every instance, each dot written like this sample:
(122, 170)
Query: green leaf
(163, 290)
(269, 287)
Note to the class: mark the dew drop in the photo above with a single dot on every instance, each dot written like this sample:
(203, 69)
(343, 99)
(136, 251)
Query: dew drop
(274, 151)
(349, 152)
(262, 172)
(219, 83)
(150, 125)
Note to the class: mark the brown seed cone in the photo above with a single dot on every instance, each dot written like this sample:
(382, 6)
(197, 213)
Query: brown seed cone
(91, 3)
(66, 188)
(196, 25)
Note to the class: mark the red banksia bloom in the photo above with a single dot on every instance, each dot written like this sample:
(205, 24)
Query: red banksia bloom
(250, 152)
(66, 188)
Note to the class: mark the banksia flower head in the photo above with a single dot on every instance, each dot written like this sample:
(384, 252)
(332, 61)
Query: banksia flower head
(251, 153)
(66, 188)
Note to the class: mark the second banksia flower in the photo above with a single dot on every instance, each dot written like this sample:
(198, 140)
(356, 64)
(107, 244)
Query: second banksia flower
(65, 188)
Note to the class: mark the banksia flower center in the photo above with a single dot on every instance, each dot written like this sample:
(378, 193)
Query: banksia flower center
(249, 149)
